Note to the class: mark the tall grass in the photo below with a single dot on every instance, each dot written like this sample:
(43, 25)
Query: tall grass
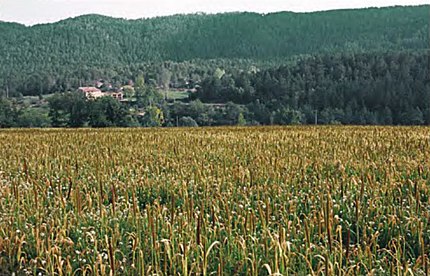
(223, 201)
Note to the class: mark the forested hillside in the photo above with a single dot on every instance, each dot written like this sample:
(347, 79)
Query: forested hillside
(387, 89)
(359, 89)
(56, 57)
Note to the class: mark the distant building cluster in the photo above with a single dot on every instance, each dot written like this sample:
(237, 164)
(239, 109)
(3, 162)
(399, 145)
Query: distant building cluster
(92, 93)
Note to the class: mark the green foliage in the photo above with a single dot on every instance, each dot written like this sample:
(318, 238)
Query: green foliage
(129, 92)
(68, 109)
(412, 116)
(177, 95)
(147, 95)
(34, 117)
(369, 88)
(108, 112)
(58, 110)
(239, 68)
(241, 120)
(164, 77)
(287, 116)
(187, 122)
(7, 113)
(73, 110)
(219, 73)
(62, 56)
(153, 117)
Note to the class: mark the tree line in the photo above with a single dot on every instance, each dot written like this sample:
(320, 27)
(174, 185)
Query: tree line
(391, 88)
(370, 88)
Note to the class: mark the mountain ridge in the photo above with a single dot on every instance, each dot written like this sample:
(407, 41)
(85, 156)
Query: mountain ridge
(97, 43)
(209, 14)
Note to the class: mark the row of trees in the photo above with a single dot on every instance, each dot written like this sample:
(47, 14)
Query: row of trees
(73, 110)
(14, 115)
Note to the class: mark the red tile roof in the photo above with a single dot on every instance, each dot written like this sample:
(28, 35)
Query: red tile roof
(89, 89)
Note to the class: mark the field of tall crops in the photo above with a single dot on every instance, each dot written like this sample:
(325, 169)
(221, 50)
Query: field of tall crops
(215, 201)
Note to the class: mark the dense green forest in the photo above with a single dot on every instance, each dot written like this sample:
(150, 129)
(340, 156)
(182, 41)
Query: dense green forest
(391, 88)
(57, 57)
(368, 88)
(367, 66)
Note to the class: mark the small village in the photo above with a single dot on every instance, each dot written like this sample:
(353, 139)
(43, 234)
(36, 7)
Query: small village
(95, 93)
(126, 93)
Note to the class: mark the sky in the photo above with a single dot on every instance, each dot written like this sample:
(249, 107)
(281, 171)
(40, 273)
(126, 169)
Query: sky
(32, 12)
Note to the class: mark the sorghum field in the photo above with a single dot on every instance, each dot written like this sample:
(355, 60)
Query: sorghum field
(215, 201)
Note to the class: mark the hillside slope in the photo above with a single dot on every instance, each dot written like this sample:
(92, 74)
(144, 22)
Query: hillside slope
(49, 53)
